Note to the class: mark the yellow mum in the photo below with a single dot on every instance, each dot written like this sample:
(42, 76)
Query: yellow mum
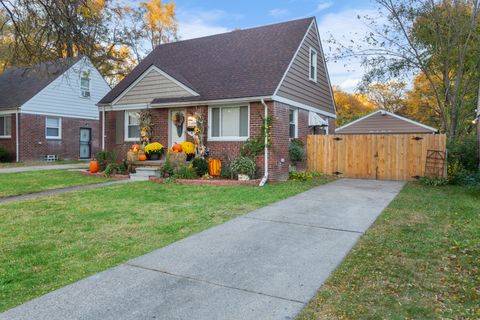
(188, 147)
(154, 147)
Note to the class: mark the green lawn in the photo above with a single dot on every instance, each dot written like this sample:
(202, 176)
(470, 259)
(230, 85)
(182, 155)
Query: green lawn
(12, 184)
(38, 163)
(421, 260)
(50, 242)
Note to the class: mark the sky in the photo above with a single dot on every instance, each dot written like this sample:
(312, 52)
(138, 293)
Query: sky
(335, 18)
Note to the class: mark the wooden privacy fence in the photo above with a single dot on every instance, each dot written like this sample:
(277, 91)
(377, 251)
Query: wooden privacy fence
(382, 157)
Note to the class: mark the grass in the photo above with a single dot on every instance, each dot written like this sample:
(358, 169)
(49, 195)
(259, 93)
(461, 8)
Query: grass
(421, 260)
(38, 163)
(12, 184)
(50, 242)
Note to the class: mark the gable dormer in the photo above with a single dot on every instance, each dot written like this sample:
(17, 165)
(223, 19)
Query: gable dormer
(154, 83)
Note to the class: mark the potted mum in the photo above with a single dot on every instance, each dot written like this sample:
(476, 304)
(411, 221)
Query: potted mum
(243, 167)
(154, 150)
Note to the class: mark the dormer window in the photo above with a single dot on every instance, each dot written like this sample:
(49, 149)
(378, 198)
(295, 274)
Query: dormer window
(85, 84)
(313, 65)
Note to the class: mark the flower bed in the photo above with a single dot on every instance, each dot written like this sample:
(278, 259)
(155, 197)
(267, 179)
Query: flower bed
(210, 182)
(100, 174)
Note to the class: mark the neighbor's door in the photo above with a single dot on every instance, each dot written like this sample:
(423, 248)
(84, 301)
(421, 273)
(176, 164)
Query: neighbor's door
(85, 143)
(177, 126)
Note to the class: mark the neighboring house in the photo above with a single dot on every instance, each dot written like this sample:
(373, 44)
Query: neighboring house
(229, 78)
(384, 122)
(53, 105)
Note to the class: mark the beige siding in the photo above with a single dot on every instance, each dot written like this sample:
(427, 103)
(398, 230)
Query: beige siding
(379, 123)
(153, 85)
(297, 86)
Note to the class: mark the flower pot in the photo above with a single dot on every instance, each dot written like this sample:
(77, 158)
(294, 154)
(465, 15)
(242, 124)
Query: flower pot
(154, 156)
(243, 177)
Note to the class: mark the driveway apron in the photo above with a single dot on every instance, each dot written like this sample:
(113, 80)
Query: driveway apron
(264, 265)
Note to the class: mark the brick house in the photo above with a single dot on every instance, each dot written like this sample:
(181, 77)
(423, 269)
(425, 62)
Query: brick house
(233, 80)
(53, 106)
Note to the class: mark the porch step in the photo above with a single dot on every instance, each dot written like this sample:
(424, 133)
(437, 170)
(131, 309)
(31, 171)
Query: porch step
(142, 174)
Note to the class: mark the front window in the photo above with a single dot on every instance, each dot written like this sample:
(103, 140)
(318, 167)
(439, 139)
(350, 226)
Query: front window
(53, 128)
(132, 125)
(229, 123)
(85, 85)
(5, 126)
(292, 118)
(313, 65)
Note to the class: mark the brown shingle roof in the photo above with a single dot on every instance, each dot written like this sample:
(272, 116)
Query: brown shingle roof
(18, 85)
(242, 63)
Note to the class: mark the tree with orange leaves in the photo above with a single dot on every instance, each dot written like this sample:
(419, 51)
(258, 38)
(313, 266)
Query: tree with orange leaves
(160, 22)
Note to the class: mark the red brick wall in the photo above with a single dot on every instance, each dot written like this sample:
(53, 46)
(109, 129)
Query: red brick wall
(34, 145)
(9, 144)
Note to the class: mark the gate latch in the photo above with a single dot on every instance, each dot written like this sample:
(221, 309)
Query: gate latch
(417, 138)
(337, 138)
(337, 173)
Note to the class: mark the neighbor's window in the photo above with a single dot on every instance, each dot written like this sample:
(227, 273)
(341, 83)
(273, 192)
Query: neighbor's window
(85, 84)
(5, 126)
(132, 125)
(229, 123)
(53, 128)
(313, 65)
(292, 117)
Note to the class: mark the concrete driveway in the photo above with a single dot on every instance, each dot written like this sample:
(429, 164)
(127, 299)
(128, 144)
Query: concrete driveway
(264, 265)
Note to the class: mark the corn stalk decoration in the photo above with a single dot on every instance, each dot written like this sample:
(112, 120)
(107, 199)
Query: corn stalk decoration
(146, 126)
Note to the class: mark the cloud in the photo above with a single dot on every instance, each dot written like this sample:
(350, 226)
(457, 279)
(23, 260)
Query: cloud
(195, 23)
(278, 12)
(343, 26)
(323, 5)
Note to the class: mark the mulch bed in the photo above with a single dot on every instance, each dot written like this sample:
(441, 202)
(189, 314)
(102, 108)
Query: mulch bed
(101, 175)
(211, 182)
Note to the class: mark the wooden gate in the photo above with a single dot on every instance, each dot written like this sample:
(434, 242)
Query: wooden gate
(383, 157)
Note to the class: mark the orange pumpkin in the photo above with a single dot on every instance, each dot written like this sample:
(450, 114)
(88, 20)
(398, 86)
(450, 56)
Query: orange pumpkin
(177, 147)
(135, 148)
(214, 166)
(142, 157)
(94, 166)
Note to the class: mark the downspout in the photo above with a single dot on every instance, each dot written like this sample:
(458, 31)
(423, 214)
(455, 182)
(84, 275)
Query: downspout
(17, 138)
(265, 175)
(103, 128)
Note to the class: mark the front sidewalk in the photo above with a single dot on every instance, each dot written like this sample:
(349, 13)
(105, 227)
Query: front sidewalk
(44, 167)
(264, 265)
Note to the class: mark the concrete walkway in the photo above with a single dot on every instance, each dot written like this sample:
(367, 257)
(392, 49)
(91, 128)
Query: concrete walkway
(45, 167)
(264, 265)
(59, 191)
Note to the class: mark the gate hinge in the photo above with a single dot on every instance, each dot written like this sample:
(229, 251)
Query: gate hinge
(337, 138)
(337, 173)
(417, 138)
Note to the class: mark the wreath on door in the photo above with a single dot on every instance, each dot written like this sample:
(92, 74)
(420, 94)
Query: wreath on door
(178, 119)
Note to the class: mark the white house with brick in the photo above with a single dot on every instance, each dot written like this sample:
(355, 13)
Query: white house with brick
(48, 111)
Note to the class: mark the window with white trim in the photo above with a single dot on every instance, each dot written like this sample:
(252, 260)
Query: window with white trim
(229, 123)
(5, 126)
(85, 84)
(132, 125)
(53, 128)
(313, 65)
(293, 123)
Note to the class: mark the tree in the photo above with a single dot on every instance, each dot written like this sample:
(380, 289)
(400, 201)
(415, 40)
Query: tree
(350, 106)
(388, 96)
(436, 38)
(160, 22)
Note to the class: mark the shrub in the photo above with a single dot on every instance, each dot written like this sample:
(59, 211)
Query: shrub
(433, 181)
(105, 158)
(185, 172)
(243, 165)
(464, 151)
(4, 155)
(111, 169)
(296, 151)
(200, 166)
(226, 169)
(167, 169)
(252, 148)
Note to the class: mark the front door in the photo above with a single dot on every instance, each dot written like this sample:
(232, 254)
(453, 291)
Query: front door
(85, 143)
(177, 126)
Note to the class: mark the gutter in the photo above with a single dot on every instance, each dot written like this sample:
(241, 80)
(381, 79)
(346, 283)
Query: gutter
(103, 128)
(265, 175)
(17, 138)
